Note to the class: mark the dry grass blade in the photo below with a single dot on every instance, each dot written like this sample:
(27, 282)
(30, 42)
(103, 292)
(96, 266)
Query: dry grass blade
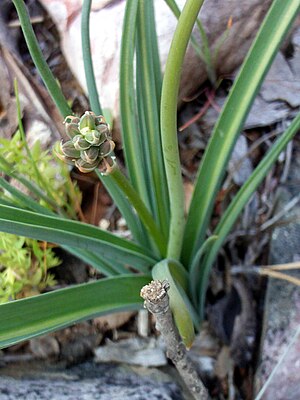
(271, 271)
(280, 275)
(283, 267)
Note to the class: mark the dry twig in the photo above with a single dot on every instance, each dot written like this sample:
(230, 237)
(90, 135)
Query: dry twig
(157, 302)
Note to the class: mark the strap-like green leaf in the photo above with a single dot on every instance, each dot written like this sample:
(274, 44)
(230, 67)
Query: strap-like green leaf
(22, 198)
(72, 233)
(87, 256)
(39, 60)
(167, 270)
(130, 134)
(5, 202)
(144, 214)
(27, 318)
(238, 203)
(87, 58)
(196, 267)
(204, 51)
(148, 93)
(231, 120)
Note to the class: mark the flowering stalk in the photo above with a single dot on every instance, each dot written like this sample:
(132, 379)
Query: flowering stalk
(89, 148)
(169, 97)
(143, 212)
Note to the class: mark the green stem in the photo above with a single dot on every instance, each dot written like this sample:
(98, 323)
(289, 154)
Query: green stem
(204, 53)
(131, 137)
(170, 91)
(140, 208)
(39, 61)
(87, 58)
(124, 207)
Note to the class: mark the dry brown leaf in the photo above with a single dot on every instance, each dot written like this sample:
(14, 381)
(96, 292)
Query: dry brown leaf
(112, 321)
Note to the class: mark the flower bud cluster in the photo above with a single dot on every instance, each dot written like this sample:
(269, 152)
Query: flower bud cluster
(90, 146)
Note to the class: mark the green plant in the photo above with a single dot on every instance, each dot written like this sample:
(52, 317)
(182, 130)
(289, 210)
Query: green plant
(165, 243)
(58, 194)
(24, 265)
(202, 51)
(38, 172)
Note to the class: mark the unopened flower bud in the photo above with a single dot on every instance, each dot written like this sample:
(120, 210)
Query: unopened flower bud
(100, 120)
(87, 122)
(68, 149)
(71, 126)
(94, 137)
(106, 148)
(103, 128)
(80, 143)
(90, 155)
(67, 160)
(85, 167)
(106, 164)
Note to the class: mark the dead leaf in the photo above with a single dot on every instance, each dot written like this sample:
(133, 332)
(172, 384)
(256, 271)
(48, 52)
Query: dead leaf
(112, 321)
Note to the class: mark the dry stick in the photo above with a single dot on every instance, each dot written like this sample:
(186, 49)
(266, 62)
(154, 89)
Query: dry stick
(271, 270)
(157, 302)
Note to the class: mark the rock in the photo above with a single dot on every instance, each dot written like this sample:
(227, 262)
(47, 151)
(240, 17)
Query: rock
(106, 27)
(37, 129)
(87, 381)
(282, 303)
(284, 383)
(204, 354)
(133, 351)
(77, 342)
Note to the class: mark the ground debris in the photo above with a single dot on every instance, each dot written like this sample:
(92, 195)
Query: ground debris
(133, 351)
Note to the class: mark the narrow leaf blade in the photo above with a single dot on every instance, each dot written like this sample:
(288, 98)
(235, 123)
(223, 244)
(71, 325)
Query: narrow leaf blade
(213, 166)
(72, 233)
(27, 318)
(130, 135)
(238, 203)
(167, 270)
